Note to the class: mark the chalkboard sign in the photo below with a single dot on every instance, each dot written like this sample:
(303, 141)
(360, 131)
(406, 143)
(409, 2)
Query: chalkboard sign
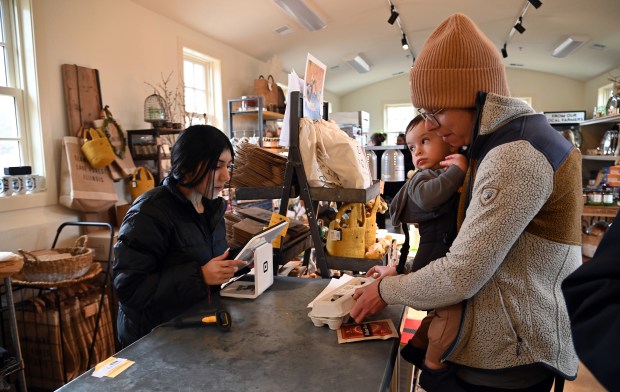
(566, 117)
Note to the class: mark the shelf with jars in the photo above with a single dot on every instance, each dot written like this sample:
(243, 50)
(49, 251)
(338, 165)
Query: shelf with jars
(599, 145)
(151, 148)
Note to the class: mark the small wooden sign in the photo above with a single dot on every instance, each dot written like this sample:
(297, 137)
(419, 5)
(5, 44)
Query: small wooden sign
(566, 117)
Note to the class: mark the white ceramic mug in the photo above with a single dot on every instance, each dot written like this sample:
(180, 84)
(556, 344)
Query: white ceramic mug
(35, 183)
(17, 185)
(6, 184)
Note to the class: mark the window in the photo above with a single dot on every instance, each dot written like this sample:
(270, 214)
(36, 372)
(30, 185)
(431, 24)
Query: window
(202, 89)
(21, 138)
(14, 149)
(604, 93)
(396, 118)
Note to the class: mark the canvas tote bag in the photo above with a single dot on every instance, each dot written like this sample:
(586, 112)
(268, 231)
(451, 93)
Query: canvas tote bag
(312, 154)
(342, 155)
(82, 187)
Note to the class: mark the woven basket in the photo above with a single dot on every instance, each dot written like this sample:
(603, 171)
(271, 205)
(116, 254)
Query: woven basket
(50, 266)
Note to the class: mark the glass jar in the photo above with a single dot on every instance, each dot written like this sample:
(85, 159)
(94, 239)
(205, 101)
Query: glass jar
(608, 197)
(595, 198)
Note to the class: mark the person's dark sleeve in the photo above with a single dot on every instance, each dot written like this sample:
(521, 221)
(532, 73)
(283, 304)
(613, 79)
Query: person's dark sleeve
(433, 188)
(140, 279)
(592, 296)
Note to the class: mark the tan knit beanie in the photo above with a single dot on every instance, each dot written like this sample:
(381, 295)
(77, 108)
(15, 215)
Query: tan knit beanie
(456, 61)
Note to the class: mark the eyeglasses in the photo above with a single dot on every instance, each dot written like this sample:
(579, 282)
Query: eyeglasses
(430, 116)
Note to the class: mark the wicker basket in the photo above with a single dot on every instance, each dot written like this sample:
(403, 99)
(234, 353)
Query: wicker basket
(59, 264)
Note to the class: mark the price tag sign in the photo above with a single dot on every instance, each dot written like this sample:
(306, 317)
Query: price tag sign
(565, 117)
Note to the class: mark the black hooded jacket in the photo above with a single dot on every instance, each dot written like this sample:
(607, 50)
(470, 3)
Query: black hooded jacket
(592, 294)
(161, 246)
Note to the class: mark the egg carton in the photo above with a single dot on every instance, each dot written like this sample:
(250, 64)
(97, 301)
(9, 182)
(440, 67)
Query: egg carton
(338, 302)
(332, 322)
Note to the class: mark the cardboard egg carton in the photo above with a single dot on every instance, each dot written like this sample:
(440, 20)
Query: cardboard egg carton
(338, 302)
(332, 322)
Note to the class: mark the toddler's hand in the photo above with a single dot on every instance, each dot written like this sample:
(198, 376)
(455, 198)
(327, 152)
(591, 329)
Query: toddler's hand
(459, 160)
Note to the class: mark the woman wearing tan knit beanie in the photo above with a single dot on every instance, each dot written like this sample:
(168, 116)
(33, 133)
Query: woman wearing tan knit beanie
(519, 219)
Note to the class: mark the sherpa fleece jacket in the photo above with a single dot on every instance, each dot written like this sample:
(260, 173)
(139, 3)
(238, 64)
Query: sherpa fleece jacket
(520, 238)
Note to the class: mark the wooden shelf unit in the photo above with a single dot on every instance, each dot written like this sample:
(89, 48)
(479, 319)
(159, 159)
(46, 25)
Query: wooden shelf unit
(147, 149)
(592, 131)
(253, 117)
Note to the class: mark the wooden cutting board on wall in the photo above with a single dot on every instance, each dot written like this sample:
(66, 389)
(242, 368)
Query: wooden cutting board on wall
(82, 96)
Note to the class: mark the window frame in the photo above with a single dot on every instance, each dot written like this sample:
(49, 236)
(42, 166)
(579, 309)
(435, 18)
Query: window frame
(604, 93)
(14, 63)
(213, 84)
(23, 77)
(391, 136)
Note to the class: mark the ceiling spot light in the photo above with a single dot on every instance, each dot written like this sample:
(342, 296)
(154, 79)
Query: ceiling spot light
(404, 42)
(504, 52)
(393, 16)
(535, 3)
(519, 26)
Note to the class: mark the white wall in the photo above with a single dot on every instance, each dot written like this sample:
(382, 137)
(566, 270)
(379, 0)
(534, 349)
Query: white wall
(129, 45)
(548, 92)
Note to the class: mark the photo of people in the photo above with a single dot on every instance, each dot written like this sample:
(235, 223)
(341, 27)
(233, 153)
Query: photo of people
(313, 88)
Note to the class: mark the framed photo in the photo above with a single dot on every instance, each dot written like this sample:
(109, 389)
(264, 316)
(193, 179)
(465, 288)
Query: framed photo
(313, 88)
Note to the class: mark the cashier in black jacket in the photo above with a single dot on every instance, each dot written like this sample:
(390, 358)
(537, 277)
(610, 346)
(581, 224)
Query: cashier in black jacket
(171, 250)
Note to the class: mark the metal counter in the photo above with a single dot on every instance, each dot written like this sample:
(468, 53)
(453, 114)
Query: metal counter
(273, 346)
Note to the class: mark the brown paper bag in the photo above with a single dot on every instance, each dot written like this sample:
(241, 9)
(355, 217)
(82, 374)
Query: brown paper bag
(83, 188)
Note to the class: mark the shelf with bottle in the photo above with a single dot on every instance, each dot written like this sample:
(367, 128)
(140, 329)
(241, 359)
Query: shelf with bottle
(246, 119)
(598, 141)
